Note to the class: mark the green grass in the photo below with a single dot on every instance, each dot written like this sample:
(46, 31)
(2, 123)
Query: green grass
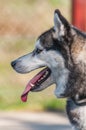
(10, 99)
(55, 3)
(54, 105)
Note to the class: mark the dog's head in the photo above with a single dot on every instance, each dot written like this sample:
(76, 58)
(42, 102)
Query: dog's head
(52, 51)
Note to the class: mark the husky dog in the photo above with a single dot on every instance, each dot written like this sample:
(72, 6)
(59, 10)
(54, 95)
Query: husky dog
(62, 52)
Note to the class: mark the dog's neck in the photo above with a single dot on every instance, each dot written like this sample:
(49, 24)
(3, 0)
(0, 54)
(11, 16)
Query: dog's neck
(77, 78)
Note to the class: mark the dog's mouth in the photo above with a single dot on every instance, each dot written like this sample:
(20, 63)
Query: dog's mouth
(35, 82)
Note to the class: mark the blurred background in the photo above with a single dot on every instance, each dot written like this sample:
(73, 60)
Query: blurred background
(21, 22)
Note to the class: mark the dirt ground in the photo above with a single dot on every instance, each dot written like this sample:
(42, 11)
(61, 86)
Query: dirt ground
(33, 121)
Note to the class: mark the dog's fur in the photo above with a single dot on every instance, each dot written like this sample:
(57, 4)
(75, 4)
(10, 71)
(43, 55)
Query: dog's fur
(63, 50)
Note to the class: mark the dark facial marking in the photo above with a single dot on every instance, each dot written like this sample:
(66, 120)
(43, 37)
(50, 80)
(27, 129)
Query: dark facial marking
(46, 39)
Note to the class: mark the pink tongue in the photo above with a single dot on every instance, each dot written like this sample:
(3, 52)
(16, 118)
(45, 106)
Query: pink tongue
(32, 82)
(25, 93)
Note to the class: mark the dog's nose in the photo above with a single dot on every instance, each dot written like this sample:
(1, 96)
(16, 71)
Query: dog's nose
(13, 63)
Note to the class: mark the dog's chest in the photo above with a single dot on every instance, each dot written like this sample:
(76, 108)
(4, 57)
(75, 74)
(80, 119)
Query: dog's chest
(82, 112)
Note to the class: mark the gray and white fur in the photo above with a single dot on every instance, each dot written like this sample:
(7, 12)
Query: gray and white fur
(63, 50)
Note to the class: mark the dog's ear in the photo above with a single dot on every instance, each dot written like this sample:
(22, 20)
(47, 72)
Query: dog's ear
(61, 25)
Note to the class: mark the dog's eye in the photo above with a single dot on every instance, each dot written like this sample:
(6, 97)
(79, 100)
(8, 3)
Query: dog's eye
(38, 51)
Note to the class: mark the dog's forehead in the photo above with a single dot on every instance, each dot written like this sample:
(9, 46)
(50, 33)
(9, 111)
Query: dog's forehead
(46, 39)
